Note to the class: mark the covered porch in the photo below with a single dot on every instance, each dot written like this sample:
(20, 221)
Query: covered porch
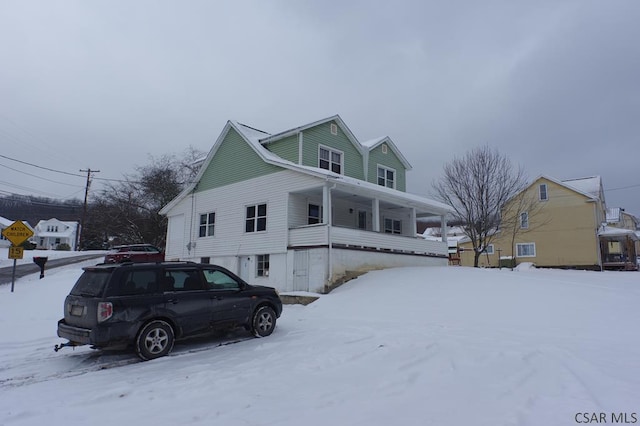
(618, 248)
(358, 215)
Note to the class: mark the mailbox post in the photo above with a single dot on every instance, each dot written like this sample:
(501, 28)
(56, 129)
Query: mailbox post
(40, 261)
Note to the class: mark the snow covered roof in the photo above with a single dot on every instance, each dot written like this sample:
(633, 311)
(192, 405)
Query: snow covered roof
(589, 185)
(371, 143)
(4, 222)
(612, 231)
(256, 138)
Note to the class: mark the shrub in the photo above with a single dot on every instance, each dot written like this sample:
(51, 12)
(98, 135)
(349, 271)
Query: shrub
(63, 247)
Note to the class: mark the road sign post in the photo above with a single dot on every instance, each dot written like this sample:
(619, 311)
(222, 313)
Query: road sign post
(17, 233)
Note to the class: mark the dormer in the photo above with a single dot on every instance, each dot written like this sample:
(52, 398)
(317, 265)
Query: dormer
(386, 164)
(326, 144)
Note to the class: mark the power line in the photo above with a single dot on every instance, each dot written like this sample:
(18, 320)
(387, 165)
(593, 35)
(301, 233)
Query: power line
(39, 177)
(63, 172)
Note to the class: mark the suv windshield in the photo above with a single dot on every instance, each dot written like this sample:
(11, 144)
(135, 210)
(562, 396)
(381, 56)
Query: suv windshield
(91, 282)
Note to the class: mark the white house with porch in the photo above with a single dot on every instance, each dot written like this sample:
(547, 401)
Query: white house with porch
(300, 209)
(50, 233)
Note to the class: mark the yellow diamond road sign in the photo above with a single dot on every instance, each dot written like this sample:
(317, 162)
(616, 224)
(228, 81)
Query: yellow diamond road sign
(17, 233)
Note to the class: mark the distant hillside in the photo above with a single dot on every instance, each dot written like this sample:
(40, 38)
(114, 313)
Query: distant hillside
(34, 209)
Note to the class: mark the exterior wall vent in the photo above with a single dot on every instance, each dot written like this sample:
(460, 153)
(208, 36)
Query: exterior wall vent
(384, 148)
(334, 129)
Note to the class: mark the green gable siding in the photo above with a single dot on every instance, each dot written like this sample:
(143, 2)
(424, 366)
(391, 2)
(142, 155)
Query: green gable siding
(391, 160)
(321, 135)
(286, 148)
(234, 161)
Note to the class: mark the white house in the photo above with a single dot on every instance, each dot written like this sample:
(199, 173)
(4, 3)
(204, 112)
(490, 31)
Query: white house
(49, 234)
(300, 209)
(4, 223)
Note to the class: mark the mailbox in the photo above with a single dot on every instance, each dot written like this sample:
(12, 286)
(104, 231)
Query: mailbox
(40, 261)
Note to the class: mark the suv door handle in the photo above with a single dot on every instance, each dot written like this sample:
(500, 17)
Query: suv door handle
(174, 301)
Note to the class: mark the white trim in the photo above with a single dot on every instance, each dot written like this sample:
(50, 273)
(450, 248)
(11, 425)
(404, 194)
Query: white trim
(300, 146)
(518, 245)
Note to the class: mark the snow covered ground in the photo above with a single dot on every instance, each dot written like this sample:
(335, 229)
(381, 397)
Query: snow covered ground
(30, 254)
(411, 346)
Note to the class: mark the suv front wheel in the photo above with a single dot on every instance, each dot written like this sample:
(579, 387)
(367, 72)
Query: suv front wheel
(263, 322)
(154, 340)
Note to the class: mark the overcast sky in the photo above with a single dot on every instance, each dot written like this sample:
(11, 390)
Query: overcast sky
(554, 85)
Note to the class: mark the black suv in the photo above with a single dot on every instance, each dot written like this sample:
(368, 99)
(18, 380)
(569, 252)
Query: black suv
(149, 305)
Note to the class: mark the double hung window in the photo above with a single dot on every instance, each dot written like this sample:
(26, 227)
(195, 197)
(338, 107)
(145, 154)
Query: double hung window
(256, 218)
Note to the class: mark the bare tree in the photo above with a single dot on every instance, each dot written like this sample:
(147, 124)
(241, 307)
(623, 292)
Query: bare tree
(128, 210)
(477, 186)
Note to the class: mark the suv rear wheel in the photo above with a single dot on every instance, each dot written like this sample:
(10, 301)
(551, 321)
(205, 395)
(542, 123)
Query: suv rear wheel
(263, 322)
(154, 340)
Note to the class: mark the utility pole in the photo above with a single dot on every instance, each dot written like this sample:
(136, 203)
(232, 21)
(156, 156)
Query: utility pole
(84, 209)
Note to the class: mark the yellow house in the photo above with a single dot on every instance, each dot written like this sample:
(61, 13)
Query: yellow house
(564, 228)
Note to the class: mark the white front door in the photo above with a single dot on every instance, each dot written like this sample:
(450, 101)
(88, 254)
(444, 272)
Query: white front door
(245, 266)
(300, 270)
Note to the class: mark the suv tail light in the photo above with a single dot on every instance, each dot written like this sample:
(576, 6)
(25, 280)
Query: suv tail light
(105, 311)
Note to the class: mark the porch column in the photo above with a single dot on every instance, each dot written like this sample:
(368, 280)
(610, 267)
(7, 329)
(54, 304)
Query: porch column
(375, 207)
(443, 227)
(414, 225)
(326, 205)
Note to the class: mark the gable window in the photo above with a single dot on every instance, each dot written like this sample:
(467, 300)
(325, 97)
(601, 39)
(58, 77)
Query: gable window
(524, 220)
(392, 226)
(526, 249)
(207, 224)
(386, 177)
(262, 262)
(330, 159)
(334, 129)
(542, 192)
(315, 214)
(256, 218)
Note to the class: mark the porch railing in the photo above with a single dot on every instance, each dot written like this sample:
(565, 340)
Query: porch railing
(317, 235)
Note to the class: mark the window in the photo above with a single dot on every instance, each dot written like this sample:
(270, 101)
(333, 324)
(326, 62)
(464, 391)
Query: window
(334, 129)
(392, 226)
(488, 249)
(182, 280)
(207, 224)
(330, 159)
(256, 219)
(386, 177)
(526, 249)
(542, 191)
(218, 280)
(524, 220)
(384, 148)
(362, 219)
(205, 260)
(139, 282)
(263, 265)
(315, 214)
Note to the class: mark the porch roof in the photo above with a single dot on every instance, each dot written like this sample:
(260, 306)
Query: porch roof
(393, 196)
(611, 231)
